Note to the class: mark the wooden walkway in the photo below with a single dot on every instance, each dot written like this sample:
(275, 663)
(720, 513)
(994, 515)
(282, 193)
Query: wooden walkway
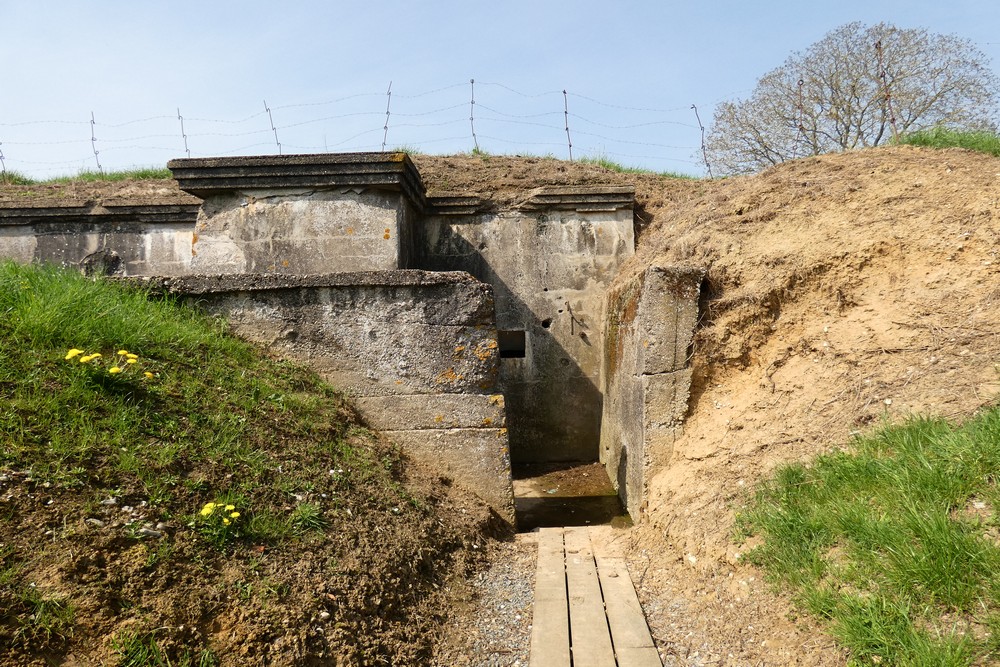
(586, 611)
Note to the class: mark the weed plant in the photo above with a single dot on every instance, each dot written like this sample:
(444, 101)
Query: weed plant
(942, 137)
(895, 544)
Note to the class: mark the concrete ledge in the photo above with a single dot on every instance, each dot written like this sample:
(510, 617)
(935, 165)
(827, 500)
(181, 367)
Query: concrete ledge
(228, 282)
(477, 459)
(432, 411)
(102, 215)
(208, 176)
(458, 204)
(581, 198)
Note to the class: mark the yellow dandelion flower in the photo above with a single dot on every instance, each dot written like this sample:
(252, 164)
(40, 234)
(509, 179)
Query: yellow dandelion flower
(73, 353)
(123, 353)
(229, 508)
(114, 370)
(226, 521)
(149, 376)
(235, 515)
(132, 356)
(207, 509)
(130, 361)
(87, 358)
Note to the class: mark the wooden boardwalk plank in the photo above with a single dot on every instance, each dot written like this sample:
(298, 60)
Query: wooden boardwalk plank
(645, 656)
(589, 635)
(550, 618)
(625, 617)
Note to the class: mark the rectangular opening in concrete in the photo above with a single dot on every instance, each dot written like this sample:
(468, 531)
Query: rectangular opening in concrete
(512, 344)
(565, 494)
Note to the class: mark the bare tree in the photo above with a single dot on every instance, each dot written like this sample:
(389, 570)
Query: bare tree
(856, 87)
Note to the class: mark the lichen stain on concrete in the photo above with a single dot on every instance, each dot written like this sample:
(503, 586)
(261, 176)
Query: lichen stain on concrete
(485, 350)
(387, 234)
(350, 231)
(448, 376)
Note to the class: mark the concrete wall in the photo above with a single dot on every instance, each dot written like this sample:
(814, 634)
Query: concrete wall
(416, 350)
(550, 263)
(650, 323)
(302, 232)
(130, 241)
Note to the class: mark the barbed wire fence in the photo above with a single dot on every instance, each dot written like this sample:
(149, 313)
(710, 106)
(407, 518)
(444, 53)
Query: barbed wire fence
(501, 120)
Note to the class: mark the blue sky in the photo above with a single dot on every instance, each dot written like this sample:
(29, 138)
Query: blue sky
(631, 69)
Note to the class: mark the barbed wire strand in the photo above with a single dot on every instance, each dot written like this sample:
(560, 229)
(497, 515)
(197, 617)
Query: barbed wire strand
(704, 151)
(472, 113)
(156, 142)
(273, 128)
(569, 140)
(183, 135)
(385, 128)
(93, 142)
(803, 137)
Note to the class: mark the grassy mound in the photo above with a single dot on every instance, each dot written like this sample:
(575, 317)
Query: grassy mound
(896, 544)
(169, 495)
(942, 137)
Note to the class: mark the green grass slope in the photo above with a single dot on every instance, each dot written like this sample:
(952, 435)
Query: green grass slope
(895, 544)
(184, 499)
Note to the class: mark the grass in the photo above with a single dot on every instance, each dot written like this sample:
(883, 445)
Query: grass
(942, 137)
(200, 417)
(15, 178)
(611, 165)
(896, 544)
(137, 649)
(89, 176)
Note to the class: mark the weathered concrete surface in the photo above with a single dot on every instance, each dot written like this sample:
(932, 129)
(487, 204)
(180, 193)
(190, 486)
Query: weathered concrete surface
(121, 240)
(650, 323)
(301, 214)
(417, 350)
(550, 263)
(301, 231)
(478, 459)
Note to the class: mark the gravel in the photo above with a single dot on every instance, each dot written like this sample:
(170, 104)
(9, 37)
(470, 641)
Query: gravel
(493, 627)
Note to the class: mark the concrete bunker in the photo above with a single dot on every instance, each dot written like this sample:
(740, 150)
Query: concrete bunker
(475, 335)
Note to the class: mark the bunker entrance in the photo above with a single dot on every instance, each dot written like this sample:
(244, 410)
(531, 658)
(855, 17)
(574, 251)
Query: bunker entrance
(565, 494)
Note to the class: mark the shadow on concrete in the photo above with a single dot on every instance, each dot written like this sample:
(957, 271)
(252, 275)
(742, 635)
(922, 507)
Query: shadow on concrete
(553, 408)
(556, 494)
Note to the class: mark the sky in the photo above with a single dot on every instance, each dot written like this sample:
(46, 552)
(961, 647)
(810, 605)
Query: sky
(143, 82)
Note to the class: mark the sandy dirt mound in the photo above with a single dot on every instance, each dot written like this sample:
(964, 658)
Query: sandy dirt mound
(93, 193)
(842, 292)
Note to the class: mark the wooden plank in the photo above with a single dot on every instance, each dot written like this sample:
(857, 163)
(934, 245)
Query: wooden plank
(550, 617)
(590, 638)
(625, 618)
(645, 656)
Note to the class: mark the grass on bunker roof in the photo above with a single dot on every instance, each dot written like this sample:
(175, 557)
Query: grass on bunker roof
(185, 499)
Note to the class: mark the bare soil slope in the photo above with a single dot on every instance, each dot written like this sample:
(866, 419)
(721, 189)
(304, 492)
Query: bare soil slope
(842, 291)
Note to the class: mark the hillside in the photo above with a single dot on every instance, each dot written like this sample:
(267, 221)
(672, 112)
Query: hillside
(170, 495)
(842, 291)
